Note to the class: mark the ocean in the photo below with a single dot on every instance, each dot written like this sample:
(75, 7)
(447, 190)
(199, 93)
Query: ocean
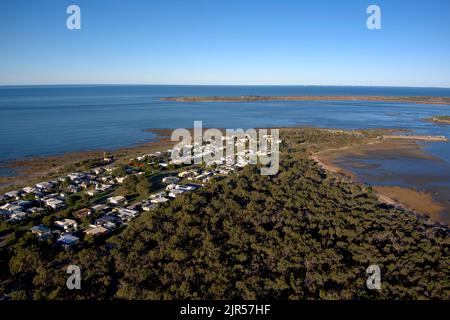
(51, 120)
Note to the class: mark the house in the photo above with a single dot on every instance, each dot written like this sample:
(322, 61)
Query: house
(109, 221)
(171, 186)
(4, 214)
(170, 180)
(85, 184)
(18, 216)
(45, 185)
(120, 179)
(98, 170)
(96, 231)
(42, 232)
(126, 214)
(23, 204)
(28, 189)
(117, 200)
(157, 195)
(175, 193)
(73, 188)
(188, 187)
(55, 203)
(12, 194)
(103, 187)
(148, 206)
(68, 241)
(83, 213)
(109, 168)
(11, 207)
(76, 176)
(92, 193)
(100, 208)
(67, 224)
(134, 206)
(159, 200)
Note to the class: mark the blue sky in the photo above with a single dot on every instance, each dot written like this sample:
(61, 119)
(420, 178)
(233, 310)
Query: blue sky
(226, 42)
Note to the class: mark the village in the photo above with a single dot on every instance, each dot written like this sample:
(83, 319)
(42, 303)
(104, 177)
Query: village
(86, 205)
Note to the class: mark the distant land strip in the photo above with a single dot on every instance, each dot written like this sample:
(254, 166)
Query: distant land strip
(418, 100)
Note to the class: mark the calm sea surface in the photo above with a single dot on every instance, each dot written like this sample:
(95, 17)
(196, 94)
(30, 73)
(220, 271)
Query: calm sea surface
(48, 120)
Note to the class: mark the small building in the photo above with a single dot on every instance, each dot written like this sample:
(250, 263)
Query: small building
(98, 170)
(68, 241)
(73, 188)
(92, 192)
(67, 224)
(96, 231)
(120, 179)
(109, 221)
(170, 180)
(45, 185)
(117, 200)
(83, 213)
(148, 206)
(126, 214)
(159, 200)
(28, 189)
(18, 216)
(100, 208)
(54, 203)
(12, 194)
(42, 232)
(175, 193)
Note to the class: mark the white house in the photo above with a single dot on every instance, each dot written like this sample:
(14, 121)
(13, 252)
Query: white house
(117, 200)
(67, 224)
(170, 179)
(175, 193)
(54, 203)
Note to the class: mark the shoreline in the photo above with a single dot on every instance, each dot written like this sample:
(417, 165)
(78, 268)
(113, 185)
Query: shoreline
(439, 119)
(418, 202)
(31, 170)
(35, 169)
(399, 99)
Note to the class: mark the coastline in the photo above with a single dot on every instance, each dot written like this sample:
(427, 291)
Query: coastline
(35, 169)
(419, 202)
(399, 99)
(439, 120)
(31, 170)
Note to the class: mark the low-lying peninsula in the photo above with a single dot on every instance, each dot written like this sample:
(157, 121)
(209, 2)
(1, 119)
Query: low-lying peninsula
(440, 119)
(418, 100)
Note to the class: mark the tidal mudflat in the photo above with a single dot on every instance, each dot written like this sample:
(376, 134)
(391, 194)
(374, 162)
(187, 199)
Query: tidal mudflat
(402, 171)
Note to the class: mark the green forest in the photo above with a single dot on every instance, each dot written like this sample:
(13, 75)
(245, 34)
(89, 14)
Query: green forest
(301, 234)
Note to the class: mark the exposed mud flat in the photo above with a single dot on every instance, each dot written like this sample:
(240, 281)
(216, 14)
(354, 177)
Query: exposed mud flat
(401, 172)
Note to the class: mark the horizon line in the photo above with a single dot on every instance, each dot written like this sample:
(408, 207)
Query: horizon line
(215, 85)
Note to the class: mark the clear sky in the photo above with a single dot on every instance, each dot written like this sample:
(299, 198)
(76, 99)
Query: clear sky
(225, 42)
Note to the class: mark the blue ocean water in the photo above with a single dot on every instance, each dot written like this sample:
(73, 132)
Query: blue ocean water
(48, 120)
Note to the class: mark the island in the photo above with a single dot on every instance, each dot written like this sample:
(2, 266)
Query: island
(440, 119)
(251, 98)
